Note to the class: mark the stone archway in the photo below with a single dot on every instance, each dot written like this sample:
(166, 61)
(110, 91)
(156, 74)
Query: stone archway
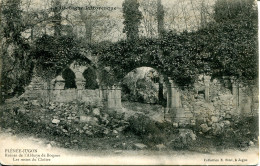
(69, 78)
(174, 111)
(91, 79)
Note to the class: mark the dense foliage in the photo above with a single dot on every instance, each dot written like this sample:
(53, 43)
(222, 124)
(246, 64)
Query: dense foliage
(132, 17)
(234, 39)
(17, 64)
(53, 54)
(225, 47)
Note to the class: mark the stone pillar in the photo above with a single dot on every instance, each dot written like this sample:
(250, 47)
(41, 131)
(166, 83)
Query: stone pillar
(175, 95)
(100, 91)
(206, 83)
(110, 97)
(226, 81)
(235, 91)
(160, 87)
(46, 94)
(80, 83)
(173, 101)
(52, 88)
(59, 85)
(169, 97)
(114, 98)
(176, 112)
(104, 93)
(118, 97)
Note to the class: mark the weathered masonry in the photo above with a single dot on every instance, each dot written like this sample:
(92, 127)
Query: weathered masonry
(210, 98)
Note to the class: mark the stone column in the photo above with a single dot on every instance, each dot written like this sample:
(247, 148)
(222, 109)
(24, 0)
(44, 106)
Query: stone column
(173, 99)
(104, 93)
(46, 94)
(52, 88)
(59, 85)
(114, 97)
(176, 112)
(80, 83)
(160, 87)
(235, 91)
(118, 103)
(169, 97)
(226, 81)
(175, 95)
(110, 97)
(206, 83)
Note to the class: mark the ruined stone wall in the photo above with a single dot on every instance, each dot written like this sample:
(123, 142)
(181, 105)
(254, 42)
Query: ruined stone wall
(210, 100)
(225, 101)
(38, 92)
(92, 97)
(82, 95)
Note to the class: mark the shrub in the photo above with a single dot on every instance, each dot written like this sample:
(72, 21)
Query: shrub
(146, 128)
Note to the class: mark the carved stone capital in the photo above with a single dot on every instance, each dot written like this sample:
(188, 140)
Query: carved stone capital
(234, 81)
(172, 84)
(59, 85)
(207, 80)
(80, 84)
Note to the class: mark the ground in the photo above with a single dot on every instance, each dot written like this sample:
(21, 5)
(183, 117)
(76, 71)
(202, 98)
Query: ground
(72, 157)
(138, 127)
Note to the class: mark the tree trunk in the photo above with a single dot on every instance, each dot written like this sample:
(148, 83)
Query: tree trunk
(1, 55)
(202, 15)
(88, 28)
(160, 95)
(57, 18)
(48, 91)
(160, 18)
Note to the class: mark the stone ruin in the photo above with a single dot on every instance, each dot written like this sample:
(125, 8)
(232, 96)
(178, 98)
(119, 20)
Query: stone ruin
(209, 100)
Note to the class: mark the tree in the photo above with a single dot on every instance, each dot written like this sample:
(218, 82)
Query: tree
(233, 10)
(148, 22)
(132, 17)
(1, 55)
(98, 23)
(160, 17)
(57, 18)
(160, 20)
(17, 64)
(234, 48)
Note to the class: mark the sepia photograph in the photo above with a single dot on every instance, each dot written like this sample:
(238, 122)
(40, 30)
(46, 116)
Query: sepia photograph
(127, 82)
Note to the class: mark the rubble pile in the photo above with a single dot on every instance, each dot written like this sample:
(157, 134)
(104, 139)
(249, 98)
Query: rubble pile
(77, 124)
(77, 118)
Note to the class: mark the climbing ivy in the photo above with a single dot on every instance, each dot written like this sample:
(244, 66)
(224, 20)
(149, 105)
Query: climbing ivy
(176, 62)
(132, 18)
(53, 54)
(225, 47)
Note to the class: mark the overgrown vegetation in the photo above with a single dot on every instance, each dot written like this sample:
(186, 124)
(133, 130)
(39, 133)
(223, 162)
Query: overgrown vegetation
(132, 19)
(225, 47)
(17, 65)
(112, 130)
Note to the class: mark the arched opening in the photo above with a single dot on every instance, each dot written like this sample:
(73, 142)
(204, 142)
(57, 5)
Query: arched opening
(146, 86)
(69, 76)
(91, 79)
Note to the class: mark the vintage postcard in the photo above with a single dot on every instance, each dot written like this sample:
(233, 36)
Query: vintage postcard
(127, 82)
